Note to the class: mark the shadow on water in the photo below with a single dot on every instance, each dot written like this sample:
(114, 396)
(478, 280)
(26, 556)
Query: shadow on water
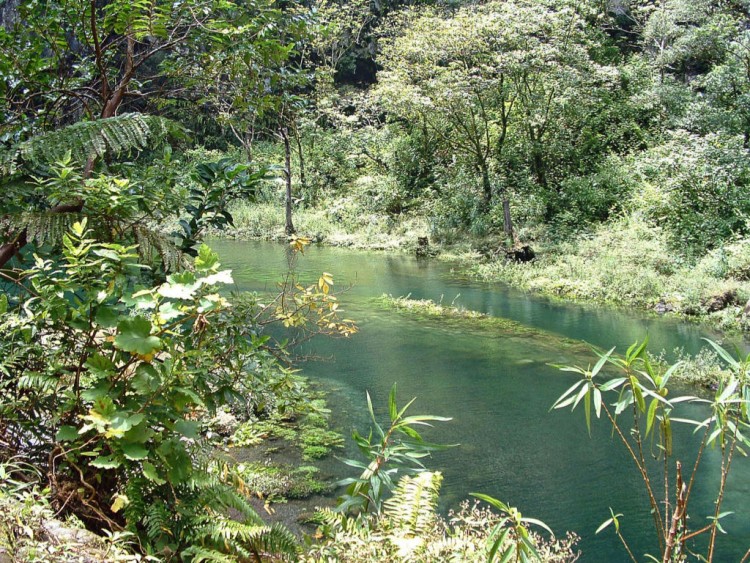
(497, 388)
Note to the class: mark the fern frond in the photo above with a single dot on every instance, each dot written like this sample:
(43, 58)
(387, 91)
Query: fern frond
(333, 522)
(40, 227)
(411, 509)
(199, 554)
(245, 539)
(44, 227)
(275, 540)
(155, 244)
(38, 382)
(157, 520)
(110, 136)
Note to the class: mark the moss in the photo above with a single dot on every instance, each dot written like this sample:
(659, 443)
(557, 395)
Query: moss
(468, 320)
(278, 482)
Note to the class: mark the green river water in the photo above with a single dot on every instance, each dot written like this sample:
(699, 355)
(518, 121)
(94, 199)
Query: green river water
(498, 389)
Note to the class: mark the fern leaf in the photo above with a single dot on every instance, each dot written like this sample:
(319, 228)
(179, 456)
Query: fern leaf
(411, 509)
(110, 136)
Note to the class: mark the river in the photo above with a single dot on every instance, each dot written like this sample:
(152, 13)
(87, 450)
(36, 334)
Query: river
(498, 390)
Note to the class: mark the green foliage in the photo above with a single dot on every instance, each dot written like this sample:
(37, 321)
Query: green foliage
(217, 185)
(510, 539)
(121, 389)
(643, 410)
(86, 139)
(30, 532)
(410, 529)
(304, 424)
(399, 447)
(696, 187)
(278, 483)
(592, 268)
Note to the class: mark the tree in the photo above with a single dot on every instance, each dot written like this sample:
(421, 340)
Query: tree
(253, 80)
(488, 81)
(70, 59)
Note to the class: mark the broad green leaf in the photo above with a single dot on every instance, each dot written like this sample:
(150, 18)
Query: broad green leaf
(135, 337)
(176, 459)
(207, 259)
(225, 277)
(107, 316)
(134, 451)
(99, 366)
(66, 434)
(178, 290)
(108, 462)
(146, 379)
(150, 472)
(187, 428)
(188, 397)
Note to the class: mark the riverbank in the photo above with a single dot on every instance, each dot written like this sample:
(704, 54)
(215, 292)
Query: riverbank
(625, 263)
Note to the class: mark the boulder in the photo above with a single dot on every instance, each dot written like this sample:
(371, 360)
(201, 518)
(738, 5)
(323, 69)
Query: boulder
(521, 253)
(721, 301)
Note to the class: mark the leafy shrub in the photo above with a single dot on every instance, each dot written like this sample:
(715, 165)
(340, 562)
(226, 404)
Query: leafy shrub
(697, 187)
(103, 384)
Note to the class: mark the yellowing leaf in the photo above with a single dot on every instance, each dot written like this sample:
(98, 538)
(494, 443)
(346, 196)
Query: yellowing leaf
(120, 502)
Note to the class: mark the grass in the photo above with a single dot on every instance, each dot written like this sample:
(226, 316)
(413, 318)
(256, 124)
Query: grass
(337, 224)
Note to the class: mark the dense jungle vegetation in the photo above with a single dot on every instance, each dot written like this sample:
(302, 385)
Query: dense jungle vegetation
(592, 150)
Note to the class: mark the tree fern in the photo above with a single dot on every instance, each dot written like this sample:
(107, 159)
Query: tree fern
(40, 227)
(85, 139)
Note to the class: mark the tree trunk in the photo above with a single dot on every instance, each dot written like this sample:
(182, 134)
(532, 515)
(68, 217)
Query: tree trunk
(486, 188)
(301, 156)
(507, 221)
(289, 226)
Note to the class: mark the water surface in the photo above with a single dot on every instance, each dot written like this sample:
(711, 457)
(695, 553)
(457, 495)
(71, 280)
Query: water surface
(498, 389)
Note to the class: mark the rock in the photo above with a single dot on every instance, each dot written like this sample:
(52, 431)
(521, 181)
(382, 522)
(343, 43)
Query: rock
(224, 423)
(661, 307)
(88, 547)
(720, 302)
